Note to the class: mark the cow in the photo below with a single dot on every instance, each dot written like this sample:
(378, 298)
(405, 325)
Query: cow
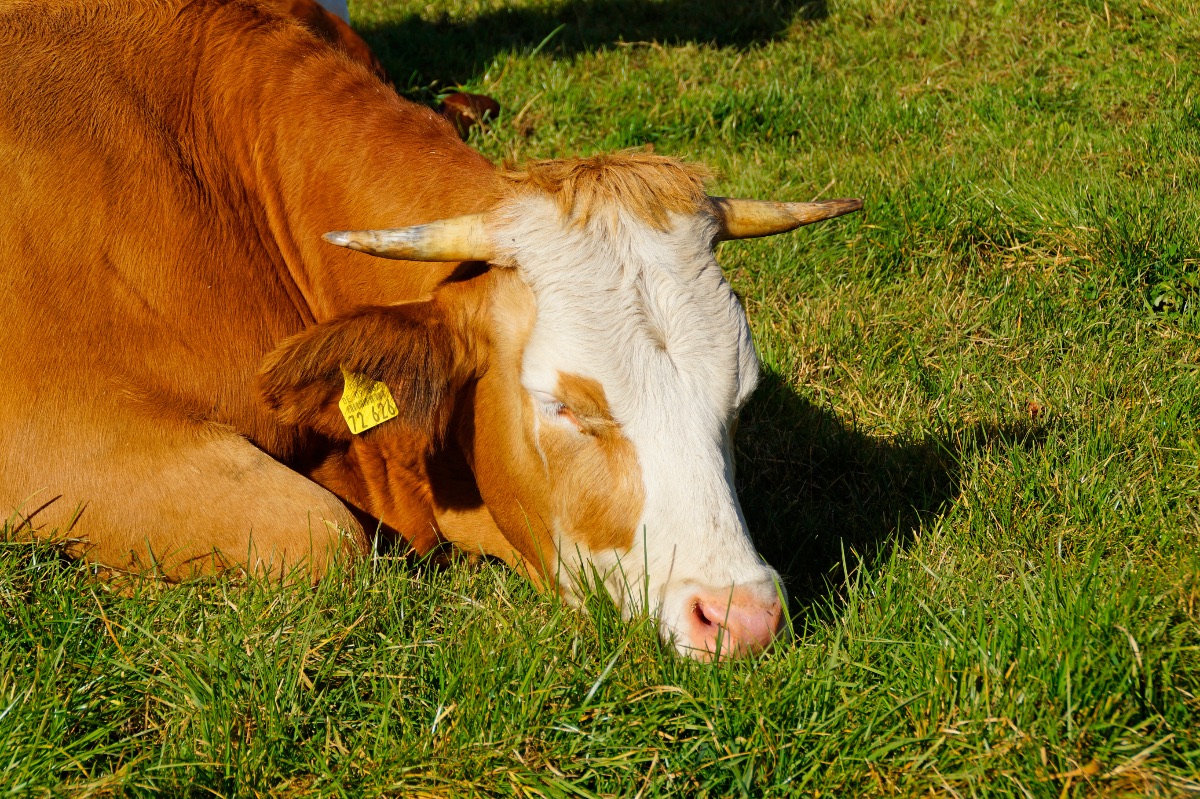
(258, 312)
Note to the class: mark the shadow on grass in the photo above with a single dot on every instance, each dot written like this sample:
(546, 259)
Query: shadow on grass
(422, 54)
(821, 496)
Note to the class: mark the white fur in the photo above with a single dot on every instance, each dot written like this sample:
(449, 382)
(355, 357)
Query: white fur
(608, 297)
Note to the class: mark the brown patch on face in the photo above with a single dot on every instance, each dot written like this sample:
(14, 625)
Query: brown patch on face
(587, 402)
(585, 482)
(595, 477)
(495, 438)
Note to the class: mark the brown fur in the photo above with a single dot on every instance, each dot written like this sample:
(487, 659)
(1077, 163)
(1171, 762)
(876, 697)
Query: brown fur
(648, 185)
(409, 347)
(495, 438)
(170, 167)
(329, 27)
(592, 489)
(601, 497)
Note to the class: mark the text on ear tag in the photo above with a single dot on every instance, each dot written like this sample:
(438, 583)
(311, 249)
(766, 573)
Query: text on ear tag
(365, 403)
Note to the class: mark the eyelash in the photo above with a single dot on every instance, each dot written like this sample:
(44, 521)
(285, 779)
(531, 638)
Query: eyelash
(546, 403)
(553, 408)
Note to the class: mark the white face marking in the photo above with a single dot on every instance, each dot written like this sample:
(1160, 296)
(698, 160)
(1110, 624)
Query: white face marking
(649, 316)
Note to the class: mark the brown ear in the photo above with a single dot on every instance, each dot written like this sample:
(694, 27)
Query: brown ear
(412, 348)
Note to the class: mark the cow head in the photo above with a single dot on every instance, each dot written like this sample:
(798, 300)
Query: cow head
(617, 358)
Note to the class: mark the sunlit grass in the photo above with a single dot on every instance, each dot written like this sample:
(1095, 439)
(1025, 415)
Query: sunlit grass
(974, 455)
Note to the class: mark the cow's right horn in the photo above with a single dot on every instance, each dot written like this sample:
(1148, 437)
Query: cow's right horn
(460, 238)
(748, 219)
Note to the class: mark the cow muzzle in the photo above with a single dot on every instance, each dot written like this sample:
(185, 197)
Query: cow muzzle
(716, 623)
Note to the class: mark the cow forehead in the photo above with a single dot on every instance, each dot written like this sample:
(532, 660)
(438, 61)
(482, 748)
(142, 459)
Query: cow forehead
(643, 311)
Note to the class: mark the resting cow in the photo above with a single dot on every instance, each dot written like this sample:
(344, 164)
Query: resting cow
(549, 374)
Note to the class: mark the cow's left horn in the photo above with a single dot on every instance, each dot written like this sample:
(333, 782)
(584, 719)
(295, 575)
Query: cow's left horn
(460, 238)
(748, 219)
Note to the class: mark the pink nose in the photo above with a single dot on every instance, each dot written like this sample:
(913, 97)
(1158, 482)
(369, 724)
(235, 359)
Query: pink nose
(734, 623)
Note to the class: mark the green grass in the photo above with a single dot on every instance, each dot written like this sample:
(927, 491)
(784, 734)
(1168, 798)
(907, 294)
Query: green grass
(974, 455)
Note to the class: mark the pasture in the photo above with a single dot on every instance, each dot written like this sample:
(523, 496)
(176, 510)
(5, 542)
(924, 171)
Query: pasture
(974, 454)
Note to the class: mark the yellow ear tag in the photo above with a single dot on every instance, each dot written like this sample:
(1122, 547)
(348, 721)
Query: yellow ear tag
(365, 403)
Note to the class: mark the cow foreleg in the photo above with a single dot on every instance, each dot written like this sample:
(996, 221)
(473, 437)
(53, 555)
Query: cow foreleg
(185, 503)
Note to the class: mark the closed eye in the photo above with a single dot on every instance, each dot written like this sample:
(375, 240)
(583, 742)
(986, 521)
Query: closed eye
(551, 406)
(578, 401)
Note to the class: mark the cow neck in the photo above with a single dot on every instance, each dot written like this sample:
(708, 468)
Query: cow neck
(320, 144)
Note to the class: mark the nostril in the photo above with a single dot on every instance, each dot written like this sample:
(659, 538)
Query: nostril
(701, 616)
(732, 623)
